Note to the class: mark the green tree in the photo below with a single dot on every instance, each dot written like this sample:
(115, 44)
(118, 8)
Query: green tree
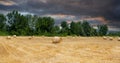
(102, 30)
(44, 25)
(76, 28)
(2, 22)
(65, 28)
(79, 29)
(32, 23)
(72, 27)
(17, 23)
(56, 29)
(64, 24)
(94, 32)
(86, 28)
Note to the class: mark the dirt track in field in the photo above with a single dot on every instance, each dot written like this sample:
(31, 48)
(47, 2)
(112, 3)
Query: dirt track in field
(70, 50)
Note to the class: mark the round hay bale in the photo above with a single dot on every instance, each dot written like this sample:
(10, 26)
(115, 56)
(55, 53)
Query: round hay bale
(118, 38)
(30, 37)
(105, 38)
(14, 36)
(110, 38)
(69, 37)
(56, 40)
(43, 36)
(8, 37)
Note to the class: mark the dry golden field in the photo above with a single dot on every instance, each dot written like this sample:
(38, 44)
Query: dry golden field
(70, 50)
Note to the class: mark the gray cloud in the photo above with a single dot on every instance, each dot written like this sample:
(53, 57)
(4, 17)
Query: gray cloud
(105, 8)
(109, 9)
(73, 7)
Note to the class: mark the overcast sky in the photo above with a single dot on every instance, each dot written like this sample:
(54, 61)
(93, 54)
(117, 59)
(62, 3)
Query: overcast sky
(95, 11)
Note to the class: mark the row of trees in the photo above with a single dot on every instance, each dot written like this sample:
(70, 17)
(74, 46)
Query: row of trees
(16, 24)
(82, 29)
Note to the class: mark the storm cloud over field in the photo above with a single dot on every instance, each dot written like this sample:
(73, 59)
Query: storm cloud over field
(105, 11)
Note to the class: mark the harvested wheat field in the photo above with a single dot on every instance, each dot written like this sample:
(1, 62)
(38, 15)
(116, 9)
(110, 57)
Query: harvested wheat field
(70, 50)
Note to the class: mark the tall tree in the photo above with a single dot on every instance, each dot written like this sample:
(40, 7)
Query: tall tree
(76, 28)
(102, 30)
(56, 29)
(2, 22)
(31, 22)
(65, 28)
(80, 29)
(73, 27)
(86, 28)
(94, 32)
(44, 25)
(64, 24)
(17, 23)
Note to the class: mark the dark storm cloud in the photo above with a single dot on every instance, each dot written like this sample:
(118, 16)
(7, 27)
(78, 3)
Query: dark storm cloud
(2, 7)
(106, 8)
(73, 7)
(109, 9)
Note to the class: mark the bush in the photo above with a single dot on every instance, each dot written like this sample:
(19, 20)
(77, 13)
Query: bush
(3, 33)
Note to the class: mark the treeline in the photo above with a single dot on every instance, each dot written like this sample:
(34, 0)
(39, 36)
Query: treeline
(15, 23)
